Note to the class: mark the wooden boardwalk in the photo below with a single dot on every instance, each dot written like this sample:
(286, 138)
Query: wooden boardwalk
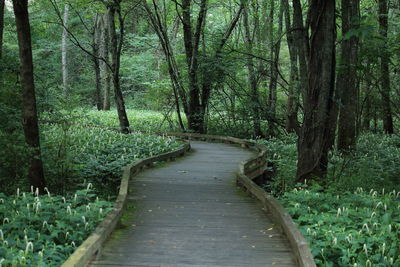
(191, 213)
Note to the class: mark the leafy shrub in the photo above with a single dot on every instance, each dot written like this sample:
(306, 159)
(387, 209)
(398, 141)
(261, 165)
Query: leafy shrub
(350, 229)
(44, 230)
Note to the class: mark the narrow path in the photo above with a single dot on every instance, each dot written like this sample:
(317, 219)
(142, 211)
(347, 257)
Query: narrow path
(190, 213)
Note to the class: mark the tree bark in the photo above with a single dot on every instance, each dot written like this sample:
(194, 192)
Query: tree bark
(385, 77)
(347, 77)
(116, 49)
(252, 76)
(367, 112)
(275, 40)
(2, 7)
(64, 51)
(313, 143)
(196, 111)
(292, 124)
(301, 39)
(98, 26)
(105, 53)
(29, 112)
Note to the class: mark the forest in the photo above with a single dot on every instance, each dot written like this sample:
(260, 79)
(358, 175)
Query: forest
(87, 87)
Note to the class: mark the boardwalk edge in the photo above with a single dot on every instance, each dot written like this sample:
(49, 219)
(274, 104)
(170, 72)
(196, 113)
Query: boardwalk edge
(93, 244)
(251, 169)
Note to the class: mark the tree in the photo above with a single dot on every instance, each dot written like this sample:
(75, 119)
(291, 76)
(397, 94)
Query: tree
(105, 53)
(196, 98)
(30, 119)
(275, 47)
(64, 51)
(313, 142)
(347, 75)
(253, 81)
(385, 72)
(96, 44)
(292, 124)
(116, 50)
(116, 44)
(2, 7)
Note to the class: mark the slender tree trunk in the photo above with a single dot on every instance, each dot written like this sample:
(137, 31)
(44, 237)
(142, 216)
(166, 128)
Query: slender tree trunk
(116, 47)
(276, 48)
(29, 114)
(347, 77)
(272, 94)
(105, 53)
(367, 111)
(252, 76)
(64, 51)
(98, 26)
(385, 77)
(176, 81)
(2, 6)
(292, 124)
(301, 39)
(313, 143)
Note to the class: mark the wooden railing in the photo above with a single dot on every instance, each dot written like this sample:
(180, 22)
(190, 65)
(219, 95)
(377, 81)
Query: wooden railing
(93, 244)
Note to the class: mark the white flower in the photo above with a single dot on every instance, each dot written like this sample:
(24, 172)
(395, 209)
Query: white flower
(365, 250)
(29, 247)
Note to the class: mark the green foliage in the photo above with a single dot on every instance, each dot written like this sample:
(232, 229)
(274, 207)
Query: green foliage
(140, 120)
(43, 230)
(374, 164)
(350, 229)
(282, 153)
(73, 154)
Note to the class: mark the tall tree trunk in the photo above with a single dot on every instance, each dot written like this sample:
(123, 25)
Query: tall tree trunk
(64, 51)
(347, 77)
(272, 94)
(2, 6)
(385, 77)
(292, 124)
(196, 111)
(116, 49)
(313, 143)
(105, 53)
(98, 26)
(367, 96)
(301, 39)
(29, 114)
(252, 75)
(275, 40)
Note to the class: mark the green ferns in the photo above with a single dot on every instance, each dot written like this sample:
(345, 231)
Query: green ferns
(43, 230)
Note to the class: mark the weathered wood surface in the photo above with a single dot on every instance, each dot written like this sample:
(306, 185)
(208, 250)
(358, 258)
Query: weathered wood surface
(93, 244)
(191, 213)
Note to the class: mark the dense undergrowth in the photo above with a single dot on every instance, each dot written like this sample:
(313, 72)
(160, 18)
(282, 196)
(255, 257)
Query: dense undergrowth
(348, 229)
(43, 230)
(140, 120)
(352, 218)
(374, 165)
(74, 153)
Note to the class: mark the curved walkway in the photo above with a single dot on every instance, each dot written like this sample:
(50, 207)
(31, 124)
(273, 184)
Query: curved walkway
(190, 213)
